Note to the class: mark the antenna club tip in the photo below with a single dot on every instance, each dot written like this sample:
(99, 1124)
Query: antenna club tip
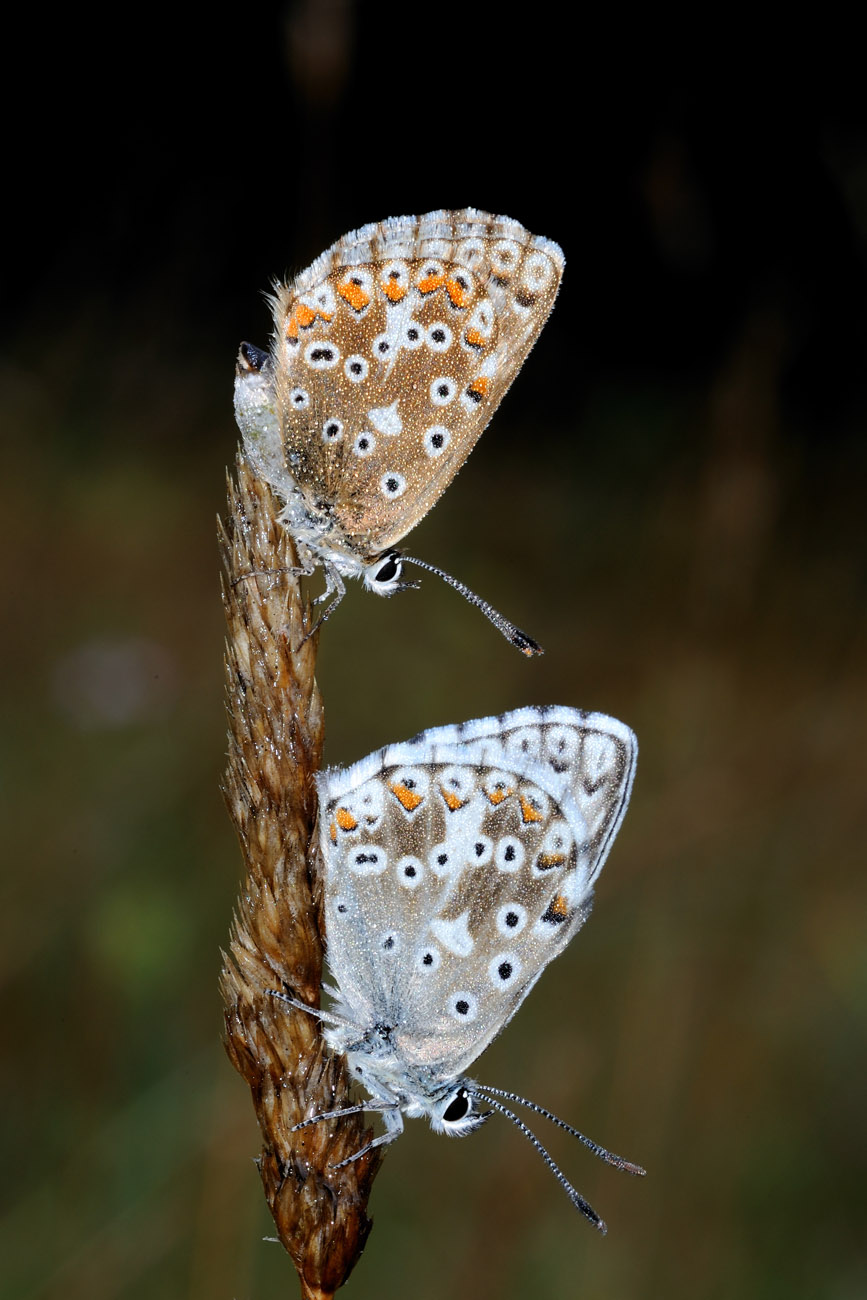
(602, 1226)
(526, 644)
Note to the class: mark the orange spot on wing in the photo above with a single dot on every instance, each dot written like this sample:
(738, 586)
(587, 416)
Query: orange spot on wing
(497, 796)
(408, 799)
(304, 315)
(528, 812)
(559, 906)
(394, 291)
(345, 819)
(332, 832)
(475, 339)
(546, 861)
(354, 295)
(452, 800)
(480, 385)
(292, 327)
(457, 293)
(431, 282)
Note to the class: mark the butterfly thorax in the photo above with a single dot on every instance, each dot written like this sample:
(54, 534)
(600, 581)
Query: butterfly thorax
(374, 1058)
(314, 528)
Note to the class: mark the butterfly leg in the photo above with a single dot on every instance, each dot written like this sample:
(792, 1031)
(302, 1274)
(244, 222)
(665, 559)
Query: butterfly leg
(391, 1115)
(334, 586)
(393, 1129)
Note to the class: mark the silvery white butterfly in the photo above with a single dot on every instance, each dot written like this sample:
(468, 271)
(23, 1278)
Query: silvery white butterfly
(456, 866)
(389, 356)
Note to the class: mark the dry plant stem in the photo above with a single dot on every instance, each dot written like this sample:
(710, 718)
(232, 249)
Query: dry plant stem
(275, 746)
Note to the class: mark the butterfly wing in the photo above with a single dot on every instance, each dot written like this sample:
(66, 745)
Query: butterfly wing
(459, 864)
(390, 355)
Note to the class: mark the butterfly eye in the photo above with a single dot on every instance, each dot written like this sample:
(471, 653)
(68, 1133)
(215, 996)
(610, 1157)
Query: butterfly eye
(254, 358)
(384, 576)
(457, 1115)
(457, 1108)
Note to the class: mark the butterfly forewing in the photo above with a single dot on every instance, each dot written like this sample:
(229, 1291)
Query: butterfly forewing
(391, 354)
(459, 864)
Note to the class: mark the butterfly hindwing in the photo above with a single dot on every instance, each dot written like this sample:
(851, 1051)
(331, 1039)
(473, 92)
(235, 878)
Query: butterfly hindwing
(390, 355)
(459, 864)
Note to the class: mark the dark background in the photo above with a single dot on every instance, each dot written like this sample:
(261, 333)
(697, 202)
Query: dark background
(671, 500)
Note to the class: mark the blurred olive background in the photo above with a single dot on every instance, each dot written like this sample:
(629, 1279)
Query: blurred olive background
(671, 500)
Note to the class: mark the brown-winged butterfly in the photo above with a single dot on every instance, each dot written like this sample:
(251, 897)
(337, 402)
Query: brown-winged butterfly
(389, 356)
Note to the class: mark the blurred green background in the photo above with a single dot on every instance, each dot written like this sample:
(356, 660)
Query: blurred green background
(671, 500)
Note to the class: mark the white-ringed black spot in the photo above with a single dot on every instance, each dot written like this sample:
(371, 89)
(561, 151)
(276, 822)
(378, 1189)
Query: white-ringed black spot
(321, 356)
(504, 969)
(463, 1006)
(300, 399)
(428, 961)
(410, 872)
(511, 918)
(356, 369)
(392, 485)
(510, 854)
(364, 444)
(367, 861)
(442, 391)
(436, 439)
(439, 337)
(332, 430)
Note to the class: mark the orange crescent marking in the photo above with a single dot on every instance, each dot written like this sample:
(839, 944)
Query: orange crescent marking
(546, 861)
(394, 291)
(454, 803)
(528, 812)
(332, 832)
(345, 819)
(407, 798)
(497, 796)
(480, 385)
(559, 906)
(354, 295)
(475, 339)
(305, 315)
(431, 282)
(292, 327)
(457, 293)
